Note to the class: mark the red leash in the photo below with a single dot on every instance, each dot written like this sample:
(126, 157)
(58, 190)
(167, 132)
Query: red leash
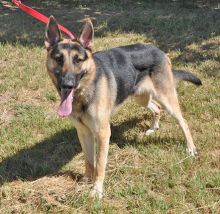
(40, 16)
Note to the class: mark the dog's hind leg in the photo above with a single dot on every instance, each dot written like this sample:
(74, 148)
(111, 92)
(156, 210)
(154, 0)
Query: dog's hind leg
(154, 107)
(171, 104)
(165, 93)
(144, 98)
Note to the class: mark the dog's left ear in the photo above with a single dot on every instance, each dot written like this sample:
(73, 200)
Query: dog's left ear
(52, 33)
(87, 35)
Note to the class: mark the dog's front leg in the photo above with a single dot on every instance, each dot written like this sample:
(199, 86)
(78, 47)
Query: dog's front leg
(102, 140)
(87, 143)
(86, 139)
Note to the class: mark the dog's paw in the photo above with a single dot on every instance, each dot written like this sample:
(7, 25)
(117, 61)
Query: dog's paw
(94, 193)
(192, 151)
(149, 132)
(97, 190)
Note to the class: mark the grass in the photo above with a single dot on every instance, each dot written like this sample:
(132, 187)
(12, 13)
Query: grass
(40, 157)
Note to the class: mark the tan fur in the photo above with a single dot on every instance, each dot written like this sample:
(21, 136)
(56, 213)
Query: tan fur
(93, 125)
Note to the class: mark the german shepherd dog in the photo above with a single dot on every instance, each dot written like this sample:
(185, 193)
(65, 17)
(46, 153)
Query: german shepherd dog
(91, 85)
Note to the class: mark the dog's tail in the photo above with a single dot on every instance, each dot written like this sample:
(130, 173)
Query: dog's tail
(182, 75)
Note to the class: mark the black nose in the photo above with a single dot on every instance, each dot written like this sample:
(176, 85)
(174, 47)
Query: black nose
(68, 81)
(68, 84)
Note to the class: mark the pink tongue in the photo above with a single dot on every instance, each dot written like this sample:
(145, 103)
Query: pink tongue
(65, 107)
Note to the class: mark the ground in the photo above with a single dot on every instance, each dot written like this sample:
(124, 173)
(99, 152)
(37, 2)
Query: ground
(41, 162)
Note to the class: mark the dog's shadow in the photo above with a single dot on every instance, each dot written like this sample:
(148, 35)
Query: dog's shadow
(47, 157)
(44, 158)
(121, 141)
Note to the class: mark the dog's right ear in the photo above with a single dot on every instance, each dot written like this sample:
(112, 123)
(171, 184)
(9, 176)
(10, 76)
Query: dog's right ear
(52, 33)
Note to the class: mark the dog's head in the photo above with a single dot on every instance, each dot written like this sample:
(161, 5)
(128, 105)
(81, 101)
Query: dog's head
(69, 62)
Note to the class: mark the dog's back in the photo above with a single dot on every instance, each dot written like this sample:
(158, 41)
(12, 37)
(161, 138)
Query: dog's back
(143, 56)
(127, 65)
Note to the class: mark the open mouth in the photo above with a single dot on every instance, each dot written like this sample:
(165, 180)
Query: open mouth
(65, 108)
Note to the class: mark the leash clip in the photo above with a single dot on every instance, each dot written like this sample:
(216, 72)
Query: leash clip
(16, 2)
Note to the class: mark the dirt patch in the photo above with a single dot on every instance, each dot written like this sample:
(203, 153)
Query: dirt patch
(48, 191)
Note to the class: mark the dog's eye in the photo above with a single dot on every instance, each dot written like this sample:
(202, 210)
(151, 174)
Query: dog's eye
(59, 59)
(77, 60)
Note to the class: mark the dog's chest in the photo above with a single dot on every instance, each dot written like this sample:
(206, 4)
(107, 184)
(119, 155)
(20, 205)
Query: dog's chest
(81, 102)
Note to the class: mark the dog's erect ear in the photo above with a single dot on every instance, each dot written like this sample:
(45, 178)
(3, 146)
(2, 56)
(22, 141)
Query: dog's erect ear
(53, 34)
(87, 35)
